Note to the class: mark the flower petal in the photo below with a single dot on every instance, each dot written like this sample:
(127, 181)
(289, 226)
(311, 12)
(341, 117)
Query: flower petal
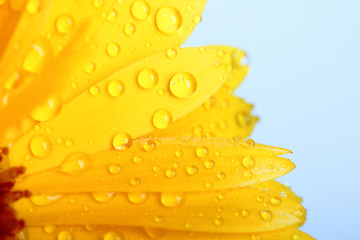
(182, 164)
(262, 207)
(134, 101)
(136, 233)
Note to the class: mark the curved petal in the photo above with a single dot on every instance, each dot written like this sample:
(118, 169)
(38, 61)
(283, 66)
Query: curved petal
(262, 207)
(134, 101)
(164, 165)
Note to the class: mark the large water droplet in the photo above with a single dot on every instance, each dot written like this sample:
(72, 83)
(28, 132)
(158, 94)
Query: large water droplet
(113, 49)
(102, 197)
(48, 110)
(76, 164)
(64, 24)
(248, 162)
(162, 119)
(148, 78)
(137, 197)
(65, 235)
(266, 215)
(182, 85)
(172, 199)
(122, 141)
(168, 20)
(44, 199)
(40, 146)
(113, 236)
(140, 10)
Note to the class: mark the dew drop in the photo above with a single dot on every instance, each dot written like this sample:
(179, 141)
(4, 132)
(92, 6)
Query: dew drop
(135, 182)
(219, 221)
(191, 170)
(172, 199)
(168, 20)
(220, 53)
(202, 152)
(112, 235)
(245, 213)
(102, 197)
(221, 176)
(114, 169)
(116, 88)
(76, 164)
(36, 58)
(159, 219)
(140, 10)
(209, 185)
(129, 29)
(89, 67)
(266, 215)
(171, 53)
(137, 197)
(65, 235)
(162, 119)
(149, 146)
(248, 162)
(209, 164)
(122, 141)
(113, 49)
(64, 24)
(275, 201)
(243, 119)
(196, 19)
(297, 236)
(40, 146)
(137, 159)
(44, 199)
(170, 173)
(98, 3)
(182, 85)
(247, 174)
(94, 90)
(48, 110)
(147, 78)
(255, 237)
(49, 228)
(111, 15)
(34, 6)
(179, 153)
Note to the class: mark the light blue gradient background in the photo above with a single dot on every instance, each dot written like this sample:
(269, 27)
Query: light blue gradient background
(304, 83)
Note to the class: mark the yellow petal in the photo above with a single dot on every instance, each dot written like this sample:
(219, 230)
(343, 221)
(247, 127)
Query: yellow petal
(222, 115)
(91, 232)
(262, 207)
(132, 102)
(164, 164)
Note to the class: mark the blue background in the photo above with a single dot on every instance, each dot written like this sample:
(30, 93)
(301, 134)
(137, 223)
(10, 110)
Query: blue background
(304, 83)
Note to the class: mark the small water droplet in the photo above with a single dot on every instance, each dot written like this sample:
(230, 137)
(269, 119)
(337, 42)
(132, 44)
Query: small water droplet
(122, 141)
(40, 146)
(76, 164)
(219, 221)
(168, 20)
(89, 67)
(209, 164)
(192, 170)
(44, 199)
(103, 197)
(113, 49)
(48, 110)
(49, 228)
(245, 213)
(111, 15)
(179, 153)
(64, 24)
(196, 19)
(137, 197)
(275, 201)
(202, 152)
(65, 235)
(129, 29)
(247, 174)
(209, 185)
(135, 182)
(172, 199)
(255, 237)
(94, 90)
(171, 53)
(182, 85)
(34, 6)
(137, 159)
(170, 173)
(98, 3)
(140, 10)
(248, 162)
(162, 119)
(148, 78)
(116, 88)
(114, 169)
(243, 119)
(221, 176)
(297, 236)
(159, 219)
(112, 235)
(266, 215)
(149, 146)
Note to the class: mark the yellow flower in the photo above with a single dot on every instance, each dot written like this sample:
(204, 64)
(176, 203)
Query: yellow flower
(124, 135)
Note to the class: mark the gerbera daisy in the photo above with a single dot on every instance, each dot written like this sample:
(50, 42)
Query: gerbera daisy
(110, 131)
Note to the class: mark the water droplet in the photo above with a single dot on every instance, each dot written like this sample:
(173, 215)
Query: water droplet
(188, 226)
(202, 152)
(248, 162)
(89, 67)
(266, 215)
(147, 78)
(129, 29)
(48, 110)
(149, 146)
(172, 199)
(137, 197)
(140, 10)
(135, 182)
(219, 221)
(155, 233)
(111, 15)
(36, 58)
(168, 20)
(76, 164)
(170, 173)
(255, 237)
(137, 159)
(112, 235)
(196, 19)
(116, 88)
(192, 170)
(34, 6)
(171, 53)
(209, 164)
(243, 119)
(247, 174)
(221, 176)
(250, 142)
(179, 153)
(220, 53)
(49, 228)
(260, 199)
(40, 146)
(65, 235)
(182, 85)
(245, 213)
(297, 236)
(158, 219)
(113, 49)
(94, 90)
(209, 185)
(98, 3)
(64, 24)
(44, 199)
(122, 141)
(114, 169)
(102, 197)
(162, 119)
(276, 201)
